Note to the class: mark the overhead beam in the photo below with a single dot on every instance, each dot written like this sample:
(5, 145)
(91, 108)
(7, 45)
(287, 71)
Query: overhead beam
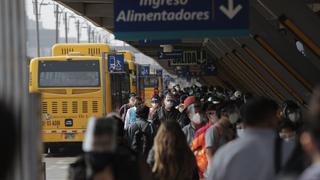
(283, 52)
(298, 12)
(98, 10)
(259, 71)
(91, 9)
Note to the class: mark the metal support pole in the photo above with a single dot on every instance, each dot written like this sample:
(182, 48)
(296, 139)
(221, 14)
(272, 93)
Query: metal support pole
(93, 39)
(25, 156)
(78, 31)
(89, 34)
(104, 94)
(138, 80)
(57, 22)
(37, 27)
(66, 26)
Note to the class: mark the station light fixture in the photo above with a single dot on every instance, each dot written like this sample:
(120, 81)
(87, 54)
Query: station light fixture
(265, 45)
(300, 34)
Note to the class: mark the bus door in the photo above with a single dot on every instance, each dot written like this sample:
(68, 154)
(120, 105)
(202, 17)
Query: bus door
(120, 89)
(141, 86)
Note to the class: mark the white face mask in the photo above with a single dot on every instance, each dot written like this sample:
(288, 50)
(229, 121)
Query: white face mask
(196, 118)
(287, 137)
(240, 132)
(233, 118)
(219, 94)
(294, 117)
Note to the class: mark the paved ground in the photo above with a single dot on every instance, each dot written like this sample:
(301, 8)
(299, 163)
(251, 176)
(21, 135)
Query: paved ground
(57, 167)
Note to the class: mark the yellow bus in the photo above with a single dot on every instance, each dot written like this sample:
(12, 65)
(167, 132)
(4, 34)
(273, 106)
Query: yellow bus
(74, 84)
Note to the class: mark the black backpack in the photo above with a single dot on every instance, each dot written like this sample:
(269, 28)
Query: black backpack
(142, 140)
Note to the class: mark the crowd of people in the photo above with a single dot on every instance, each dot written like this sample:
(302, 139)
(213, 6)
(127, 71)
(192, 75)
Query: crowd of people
(203, 133)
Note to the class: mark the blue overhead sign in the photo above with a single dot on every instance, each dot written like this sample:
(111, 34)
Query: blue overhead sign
(159, 72)
(144, 70)
(171, 55)
(172, 19)
(115, 63)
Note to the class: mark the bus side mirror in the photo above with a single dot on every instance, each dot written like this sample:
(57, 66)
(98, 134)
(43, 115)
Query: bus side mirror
(33, 77)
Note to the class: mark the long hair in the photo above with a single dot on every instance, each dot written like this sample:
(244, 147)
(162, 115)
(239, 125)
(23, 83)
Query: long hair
(173, 157)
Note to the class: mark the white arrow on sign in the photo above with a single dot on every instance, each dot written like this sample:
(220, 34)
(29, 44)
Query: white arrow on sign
(231, 11)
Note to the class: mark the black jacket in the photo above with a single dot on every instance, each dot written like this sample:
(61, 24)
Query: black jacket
(124, 161)
(139, 124)
(141, 134)
(162, 115)
(184, 119)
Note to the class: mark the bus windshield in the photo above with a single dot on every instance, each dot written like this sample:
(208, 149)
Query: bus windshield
(84, 73)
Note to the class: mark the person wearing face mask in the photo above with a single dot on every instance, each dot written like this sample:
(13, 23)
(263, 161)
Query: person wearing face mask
(155, 92)
(290, 121)
(105, 156)
(310, 141)
(255, 155)
(218, 91)
(177, 88)
(210, 113)
(287, 130)
(123, 110)
(184, 118)
(222, 132)
(291, 111)
(99, 146)
(166, 111)
(290, 129)
(175, 93)
(194, 113)
(155, 104)
(240, 128)
(131, 113)
(180, 107)
(198, 146)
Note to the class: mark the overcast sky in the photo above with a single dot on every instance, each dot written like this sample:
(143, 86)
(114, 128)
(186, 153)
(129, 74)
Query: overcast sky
(47, 18)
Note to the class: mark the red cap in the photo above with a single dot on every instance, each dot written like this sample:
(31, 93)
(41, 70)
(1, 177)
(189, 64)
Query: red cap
(190, 100)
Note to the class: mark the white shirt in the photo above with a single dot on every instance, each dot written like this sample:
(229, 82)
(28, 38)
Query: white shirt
(311, 173)
(250, 157)
(130, 117)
